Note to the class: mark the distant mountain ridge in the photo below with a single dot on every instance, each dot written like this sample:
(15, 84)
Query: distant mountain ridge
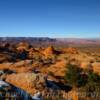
(45, 41)
(80, 40)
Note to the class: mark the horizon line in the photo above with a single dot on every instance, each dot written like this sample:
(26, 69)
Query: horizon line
(50, 37)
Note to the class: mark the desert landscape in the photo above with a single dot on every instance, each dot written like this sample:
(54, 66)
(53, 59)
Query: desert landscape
(49, 69)
(49, 49)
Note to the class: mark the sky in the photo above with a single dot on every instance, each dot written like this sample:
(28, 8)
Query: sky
(50, 18)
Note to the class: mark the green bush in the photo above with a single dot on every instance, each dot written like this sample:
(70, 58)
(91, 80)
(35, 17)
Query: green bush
(72, 75)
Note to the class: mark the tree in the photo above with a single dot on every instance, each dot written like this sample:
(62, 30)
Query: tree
(76, 78)
(92, 87)
(72, 75)
(83, 81)
(93, 84)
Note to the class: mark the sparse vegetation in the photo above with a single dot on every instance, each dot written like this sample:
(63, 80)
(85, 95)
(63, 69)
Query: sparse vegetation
(83, 81)
(77, 68)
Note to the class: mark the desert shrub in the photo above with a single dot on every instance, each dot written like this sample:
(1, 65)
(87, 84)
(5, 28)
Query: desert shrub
(83, 81)
(72, 75)
(93, 84)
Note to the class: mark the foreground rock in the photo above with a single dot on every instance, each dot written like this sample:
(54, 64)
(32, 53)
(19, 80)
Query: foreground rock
(9, 92)
(23, 80)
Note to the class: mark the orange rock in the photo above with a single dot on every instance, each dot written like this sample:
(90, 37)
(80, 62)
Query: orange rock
(49, 51)
(85, 65)
(96, 67)
(58, 69)
(71, 50)
(24, 81)
(22, 46)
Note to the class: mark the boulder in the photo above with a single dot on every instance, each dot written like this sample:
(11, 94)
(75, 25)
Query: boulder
(25, 81)
(96, 67)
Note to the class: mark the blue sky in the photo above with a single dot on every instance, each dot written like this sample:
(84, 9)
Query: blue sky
(50, 18)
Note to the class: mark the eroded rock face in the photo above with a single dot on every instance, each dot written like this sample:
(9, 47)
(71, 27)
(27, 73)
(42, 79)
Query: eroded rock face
(8, 91)
(49, 51)
(26, 81)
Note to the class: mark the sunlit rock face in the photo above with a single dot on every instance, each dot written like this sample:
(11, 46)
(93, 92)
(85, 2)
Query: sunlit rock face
(49, 51)
(70, 50)
(22, 46)
(23, 80)
(9, 92)
(96, 67)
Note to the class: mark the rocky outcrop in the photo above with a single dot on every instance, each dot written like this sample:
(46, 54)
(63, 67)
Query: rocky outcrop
(49, 51)
(70, 50)
(26, 81)
(22, 46)
(8, 91)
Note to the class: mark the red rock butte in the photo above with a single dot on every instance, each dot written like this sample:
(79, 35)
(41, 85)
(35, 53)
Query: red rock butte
(49, 51)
